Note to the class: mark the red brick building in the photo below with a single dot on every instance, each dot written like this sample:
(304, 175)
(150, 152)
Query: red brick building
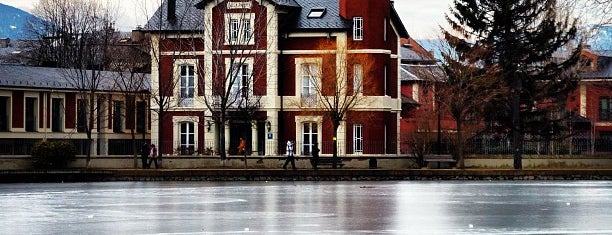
(279, 42)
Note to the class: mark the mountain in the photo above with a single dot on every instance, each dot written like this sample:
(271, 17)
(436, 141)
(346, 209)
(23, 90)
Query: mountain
(13, 22)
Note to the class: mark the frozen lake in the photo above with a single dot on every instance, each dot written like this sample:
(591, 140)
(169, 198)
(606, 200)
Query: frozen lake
(388, 207)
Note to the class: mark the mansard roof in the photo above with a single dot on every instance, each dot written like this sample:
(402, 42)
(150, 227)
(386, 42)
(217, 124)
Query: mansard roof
(189, 15)
(52, 78)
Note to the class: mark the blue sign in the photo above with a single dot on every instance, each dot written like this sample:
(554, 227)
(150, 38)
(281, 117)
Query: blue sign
(269, 136)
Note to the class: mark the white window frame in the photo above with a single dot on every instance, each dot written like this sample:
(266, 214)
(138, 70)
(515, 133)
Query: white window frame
(241, 74)
(358, 139)
(357, 28)
(239, 28)
(313, 136)
(299, 120)
(176, 127)
(186, 85)
(190, 135)
(358, 79)
(308, 97)
(249, 76)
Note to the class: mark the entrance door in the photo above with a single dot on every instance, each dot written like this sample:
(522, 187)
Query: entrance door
(237, 131)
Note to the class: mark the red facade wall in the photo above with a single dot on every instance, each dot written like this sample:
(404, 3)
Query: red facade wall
(182, 44)
(373, 12)
(18, 109)
(310, 43)
(166, 81)
(374, 139)
(259, 32)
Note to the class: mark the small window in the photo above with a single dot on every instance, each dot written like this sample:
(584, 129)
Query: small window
(316, 13)
(141, 116)
(31, 111)
(358, 138)
(187, 88)
(57, 115)
(605, 108)
(82, 115)
(118, 116)
(358, 79)
(357, 28)
(4, 113)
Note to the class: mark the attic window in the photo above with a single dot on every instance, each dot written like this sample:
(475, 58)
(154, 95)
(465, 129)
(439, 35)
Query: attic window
(316, 13)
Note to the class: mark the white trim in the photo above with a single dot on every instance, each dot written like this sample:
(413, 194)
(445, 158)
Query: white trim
(358, 28)
(240, 30)
(299, 62)
(176, 72)
(176, 130)
(298, 130)
(249, 61)
(583, 100)
(36, 97)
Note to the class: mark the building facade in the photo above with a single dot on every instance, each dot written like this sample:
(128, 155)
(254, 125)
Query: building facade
(261, 70)
(38, 103)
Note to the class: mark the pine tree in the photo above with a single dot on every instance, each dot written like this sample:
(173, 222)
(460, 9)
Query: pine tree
(518, 39)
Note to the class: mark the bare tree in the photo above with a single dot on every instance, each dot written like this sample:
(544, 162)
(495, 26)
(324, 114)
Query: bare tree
(132, 62)
(77, 35)
(236, 78)
(329, 88)
(465, 91)
(166, 47)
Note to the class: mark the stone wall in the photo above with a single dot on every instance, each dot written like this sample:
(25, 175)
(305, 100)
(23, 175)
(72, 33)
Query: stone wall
(389, 163)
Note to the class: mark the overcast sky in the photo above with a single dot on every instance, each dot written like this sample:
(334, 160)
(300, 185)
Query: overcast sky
(421, 17)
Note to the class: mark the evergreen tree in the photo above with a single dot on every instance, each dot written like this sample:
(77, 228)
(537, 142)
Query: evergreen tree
(518, 39)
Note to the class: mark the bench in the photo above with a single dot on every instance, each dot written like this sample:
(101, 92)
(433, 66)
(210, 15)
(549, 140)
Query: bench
(438, 158)
(329, 161)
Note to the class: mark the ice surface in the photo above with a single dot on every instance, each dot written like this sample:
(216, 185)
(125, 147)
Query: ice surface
(410, 207)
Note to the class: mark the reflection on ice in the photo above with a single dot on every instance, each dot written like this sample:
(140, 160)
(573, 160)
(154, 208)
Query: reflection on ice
(525, 207)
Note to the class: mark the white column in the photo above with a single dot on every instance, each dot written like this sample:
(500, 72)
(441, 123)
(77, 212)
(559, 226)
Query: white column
(254, 140)
(227, 136)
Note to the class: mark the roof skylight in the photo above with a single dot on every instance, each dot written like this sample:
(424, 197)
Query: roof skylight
(316, 13)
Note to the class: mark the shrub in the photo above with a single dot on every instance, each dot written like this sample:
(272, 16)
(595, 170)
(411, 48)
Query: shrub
(57, 154)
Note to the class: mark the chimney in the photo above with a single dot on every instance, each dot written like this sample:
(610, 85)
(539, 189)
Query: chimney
(172, 11)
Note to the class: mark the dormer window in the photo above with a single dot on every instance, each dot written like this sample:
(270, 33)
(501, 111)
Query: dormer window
(316, 13)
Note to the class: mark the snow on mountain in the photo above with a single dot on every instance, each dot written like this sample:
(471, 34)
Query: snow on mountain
(13, 22)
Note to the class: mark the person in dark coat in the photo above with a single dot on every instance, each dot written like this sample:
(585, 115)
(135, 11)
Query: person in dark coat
(315, 156)
(144, 155)
(290, 157)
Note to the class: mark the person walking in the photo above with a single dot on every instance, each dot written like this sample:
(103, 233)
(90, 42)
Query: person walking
(241, 146)
(290, 157)
(153, 156)
(144, 155)
(315, 155)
